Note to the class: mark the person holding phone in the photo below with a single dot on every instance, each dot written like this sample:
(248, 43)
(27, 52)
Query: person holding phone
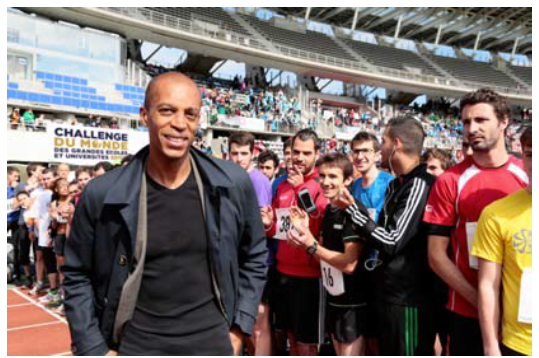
(340, 254)
(296, 302)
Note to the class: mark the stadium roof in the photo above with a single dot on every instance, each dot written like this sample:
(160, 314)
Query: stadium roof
(497, 27)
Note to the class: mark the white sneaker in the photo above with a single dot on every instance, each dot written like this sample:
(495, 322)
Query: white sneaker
(50, 298)
(38, 287)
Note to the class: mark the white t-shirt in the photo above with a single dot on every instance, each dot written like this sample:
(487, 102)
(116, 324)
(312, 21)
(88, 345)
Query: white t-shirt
(40, 211)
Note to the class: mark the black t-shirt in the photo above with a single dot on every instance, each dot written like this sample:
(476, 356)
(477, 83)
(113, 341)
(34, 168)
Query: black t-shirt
(176, 312)
(337, 230)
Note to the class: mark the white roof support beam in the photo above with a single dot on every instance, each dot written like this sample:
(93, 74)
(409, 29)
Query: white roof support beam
(476, 45)
(438, 35)
(418, 15)
(307, 14)
(508, 36)
(398, 29)
(515, 45)
(354, 20)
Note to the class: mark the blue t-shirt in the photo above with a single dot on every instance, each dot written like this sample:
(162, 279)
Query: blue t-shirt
(14, 215)
(276, 183)
(373, 196)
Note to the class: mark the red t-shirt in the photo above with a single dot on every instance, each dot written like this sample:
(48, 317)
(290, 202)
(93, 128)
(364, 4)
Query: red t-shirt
(457, 200)
(291, 260)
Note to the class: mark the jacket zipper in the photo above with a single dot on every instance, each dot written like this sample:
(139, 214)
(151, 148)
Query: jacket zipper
(215, 284)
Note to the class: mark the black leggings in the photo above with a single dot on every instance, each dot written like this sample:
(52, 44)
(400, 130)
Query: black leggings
(49, 258)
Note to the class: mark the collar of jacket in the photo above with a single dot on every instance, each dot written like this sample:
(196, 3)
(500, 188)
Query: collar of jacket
(125, 192)
(127, 187)
(417, 171)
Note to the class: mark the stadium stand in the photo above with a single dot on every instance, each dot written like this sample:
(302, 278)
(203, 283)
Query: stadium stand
(214, 15)
(61, 90)
(395, 58)
(524, 73)
(474, 71)
(310, 41)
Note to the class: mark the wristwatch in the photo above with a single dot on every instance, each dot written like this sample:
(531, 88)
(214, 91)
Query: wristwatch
(312, 249)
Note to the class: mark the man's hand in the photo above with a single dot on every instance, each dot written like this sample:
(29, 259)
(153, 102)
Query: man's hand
(267, 215)
(299, 218)
(111, 353)
(295, 177)
(343, 200)
(236, 338)
(492, 351)
(300, 238)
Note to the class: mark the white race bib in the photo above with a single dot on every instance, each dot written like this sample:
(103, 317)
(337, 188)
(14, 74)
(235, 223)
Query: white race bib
(470, 231)
(10, 204)
(332, 279)
(372, 214)
(526, 291)
(283, 223)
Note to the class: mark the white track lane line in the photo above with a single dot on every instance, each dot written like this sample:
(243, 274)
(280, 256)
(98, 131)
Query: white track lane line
(19, 305)
(58, 317)
(33, 325)
(62, 354)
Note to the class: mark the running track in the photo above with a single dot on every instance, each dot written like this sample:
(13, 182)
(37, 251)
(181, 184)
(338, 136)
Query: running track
(33, 330)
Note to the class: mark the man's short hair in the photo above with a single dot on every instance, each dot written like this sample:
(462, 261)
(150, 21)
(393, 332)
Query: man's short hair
(23, 192)
(241, 139)
(49, 170)
(65, 164)
(305, 135)
(268, 155)
(106, 166)
(338, 160)
(288, 144)
(526, 137)
(11, 170)
(410, 133)
(32, 167)
(83, 170)
(441, 155)
(488, 96)
(366, 137)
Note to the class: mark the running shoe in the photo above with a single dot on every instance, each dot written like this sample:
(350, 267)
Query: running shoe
(39, 287)
(50, 299)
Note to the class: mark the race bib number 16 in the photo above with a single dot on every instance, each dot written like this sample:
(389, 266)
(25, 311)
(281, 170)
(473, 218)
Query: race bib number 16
(332, 279)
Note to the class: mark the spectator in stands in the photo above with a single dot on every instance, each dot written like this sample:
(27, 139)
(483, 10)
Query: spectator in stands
(15, 118)
(29, 119)
(63, 171)
(101, 168)
(90, 121)
(83, 176)
(40, 123)
(437, 161)
(268, 163)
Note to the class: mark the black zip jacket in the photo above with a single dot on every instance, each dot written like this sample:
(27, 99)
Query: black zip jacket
(404, 277)
(99, 250)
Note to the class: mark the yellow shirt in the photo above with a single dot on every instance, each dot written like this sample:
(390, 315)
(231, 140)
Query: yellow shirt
(504, 236)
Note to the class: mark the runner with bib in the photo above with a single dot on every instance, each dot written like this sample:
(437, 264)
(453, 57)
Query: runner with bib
(339, 253)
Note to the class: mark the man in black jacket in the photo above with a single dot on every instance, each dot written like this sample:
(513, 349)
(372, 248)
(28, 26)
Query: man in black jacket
(403, 283)
(167, 255)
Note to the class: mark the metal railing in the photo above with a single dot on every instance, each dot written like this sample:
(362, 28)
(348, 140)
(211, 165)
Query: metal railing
(175, 22)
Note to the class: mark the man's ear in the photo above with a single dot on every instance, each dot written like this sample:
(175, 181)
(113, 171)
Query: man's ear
(144, 116)
(348, 181)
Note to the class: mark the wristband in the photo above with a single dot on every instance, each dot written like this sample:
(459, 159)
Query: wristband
(311, 250)
(30, 229)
